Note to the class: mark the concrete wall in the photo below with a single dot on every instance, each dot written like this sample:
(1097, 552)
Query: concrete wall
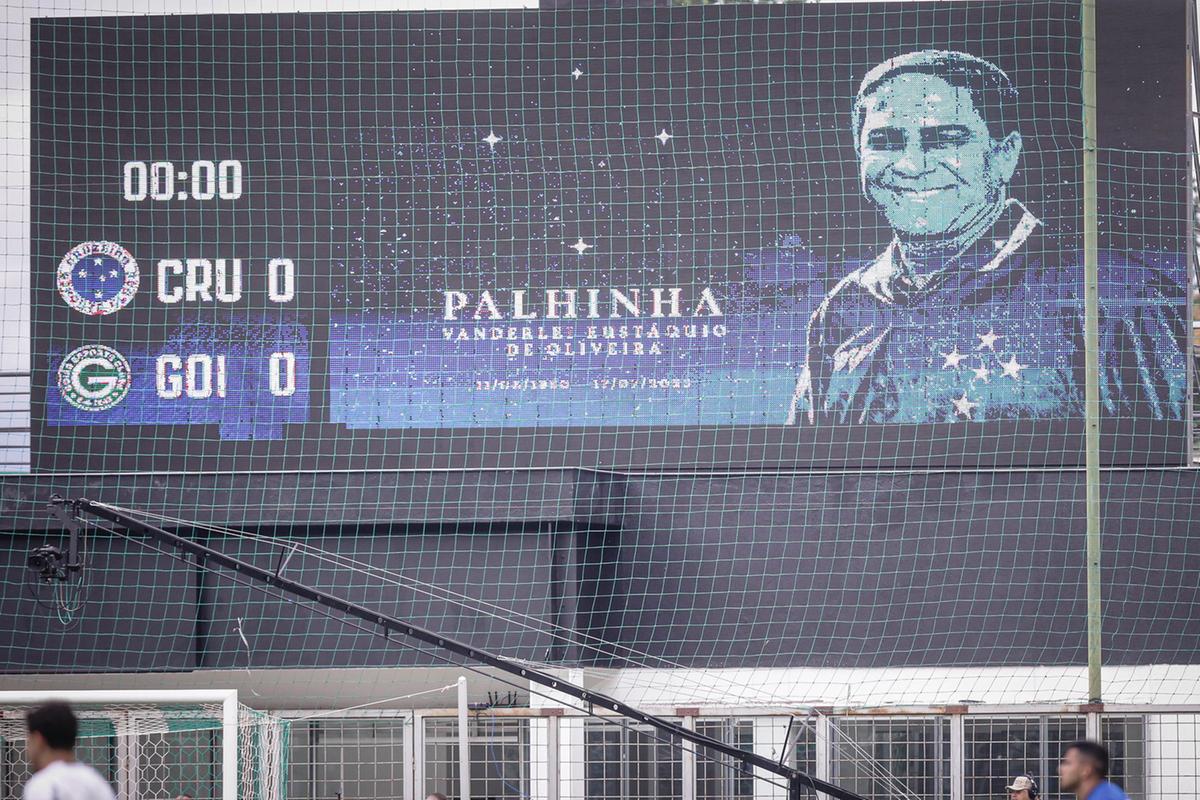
(846, 571)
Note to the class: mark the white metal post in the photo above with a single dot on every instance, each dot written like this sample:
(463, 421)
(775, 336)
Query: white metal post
(553, 775)
(410, 759)
(127, 760)
(464, 743)
(1092, 726)
(229, 747)
(688, 765)
(824, 742)
(957, 756)
(572, 749)
(419, 755)
(539, 759)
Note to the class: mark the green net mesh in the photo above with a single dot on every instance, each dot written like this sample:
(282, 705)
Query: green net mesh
(722, 358)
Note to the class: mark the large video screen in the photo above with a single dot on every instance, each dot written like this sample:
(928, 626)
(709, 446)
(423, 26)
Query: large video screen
(816, 236)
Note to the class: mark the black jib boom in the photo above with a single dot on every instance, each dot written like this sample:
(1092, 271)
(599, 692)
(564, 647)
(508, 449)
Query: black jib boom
(797, 780)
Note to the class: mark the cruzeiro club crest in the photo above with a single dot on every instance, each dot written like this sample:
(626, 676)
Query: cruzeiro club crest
(94, 377)
(98, 278)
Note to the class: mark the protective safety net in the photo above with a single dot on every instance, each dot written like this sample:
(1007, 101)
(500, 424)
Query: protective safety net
(731, 356)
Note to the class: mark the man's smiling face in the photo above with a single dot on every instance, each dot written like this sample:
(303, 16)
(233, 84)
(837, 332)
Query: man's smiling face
(927, 159)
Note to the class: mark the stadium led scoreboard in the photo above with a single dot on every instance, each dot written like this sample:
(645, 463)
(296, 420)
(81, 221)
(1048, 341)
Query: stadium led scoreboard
(735, 236)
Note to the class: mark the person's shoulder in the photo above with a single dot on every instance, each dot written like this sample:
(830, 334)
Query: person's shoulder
(864, 285)
(40, 786)
(842, 309)
(100, 788)
(1051, 259)
(1108, 791)
(43, 784)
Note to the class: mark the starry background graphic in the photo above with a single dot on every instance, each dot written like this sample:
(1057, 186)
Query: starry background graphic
(398, 155)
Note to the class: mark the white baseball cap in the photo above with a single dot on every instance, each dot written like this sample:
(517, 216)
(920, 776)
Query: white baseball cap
(1022, 782)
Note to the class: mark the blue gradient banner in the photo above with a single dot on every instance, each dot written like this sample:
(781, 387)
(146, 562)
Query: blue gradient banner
(203, 374)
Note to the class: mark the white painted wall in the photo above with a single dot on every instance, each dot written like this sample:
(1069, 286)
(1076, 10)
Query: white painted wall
(1172, 756)
(1159, 684)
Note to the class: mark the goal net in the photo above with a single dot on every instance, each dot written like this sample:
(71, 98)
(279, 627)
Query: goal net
(154, 745)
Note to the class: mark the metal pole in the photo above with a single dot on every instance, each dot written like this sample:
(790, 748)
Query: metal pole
(1193, 177)
(420, 784)
(1091, 346)
(127, 758)
(229, 747)
(958, 756)
(553, 753)
(688, 763)
(388, 625)
(408, 744)
(464, 743)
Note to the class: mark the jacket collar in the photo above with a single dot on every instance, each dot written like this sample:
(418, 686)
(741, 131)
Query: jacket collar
(889, 278)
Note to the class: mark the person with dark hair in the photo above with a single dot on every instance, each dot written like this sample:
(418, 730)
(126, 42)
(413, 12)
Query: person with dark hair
(973, 311)
(1083, 770)
(50, 747)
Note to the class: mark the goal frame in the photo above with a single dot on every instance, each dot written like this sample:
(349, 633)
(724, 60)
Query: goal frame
(228, 698)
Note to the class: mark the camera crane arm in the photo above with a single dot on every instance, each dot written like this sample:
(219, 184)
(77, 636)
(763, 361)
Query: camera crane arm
(797, 781)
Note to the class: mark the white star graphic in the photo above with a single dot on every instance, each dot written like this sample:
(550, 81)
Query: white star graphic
(982, 374)
(581, 246)
(97, 261)
(82, 273)
(575, 73)
(663, 136)
(988, 340)
(492, 139)
(99, 294)
(1012, 369)
(103, 277)
(952, 358)
(112, 273)
(963, 406)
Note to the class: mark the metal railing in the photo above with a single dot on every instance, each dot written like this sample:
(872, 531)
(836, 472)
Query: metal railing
(949, 752)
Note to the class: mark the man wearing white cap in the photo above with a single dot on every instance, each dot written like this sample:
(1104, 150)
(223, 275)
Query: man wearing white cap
(1023, 787)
